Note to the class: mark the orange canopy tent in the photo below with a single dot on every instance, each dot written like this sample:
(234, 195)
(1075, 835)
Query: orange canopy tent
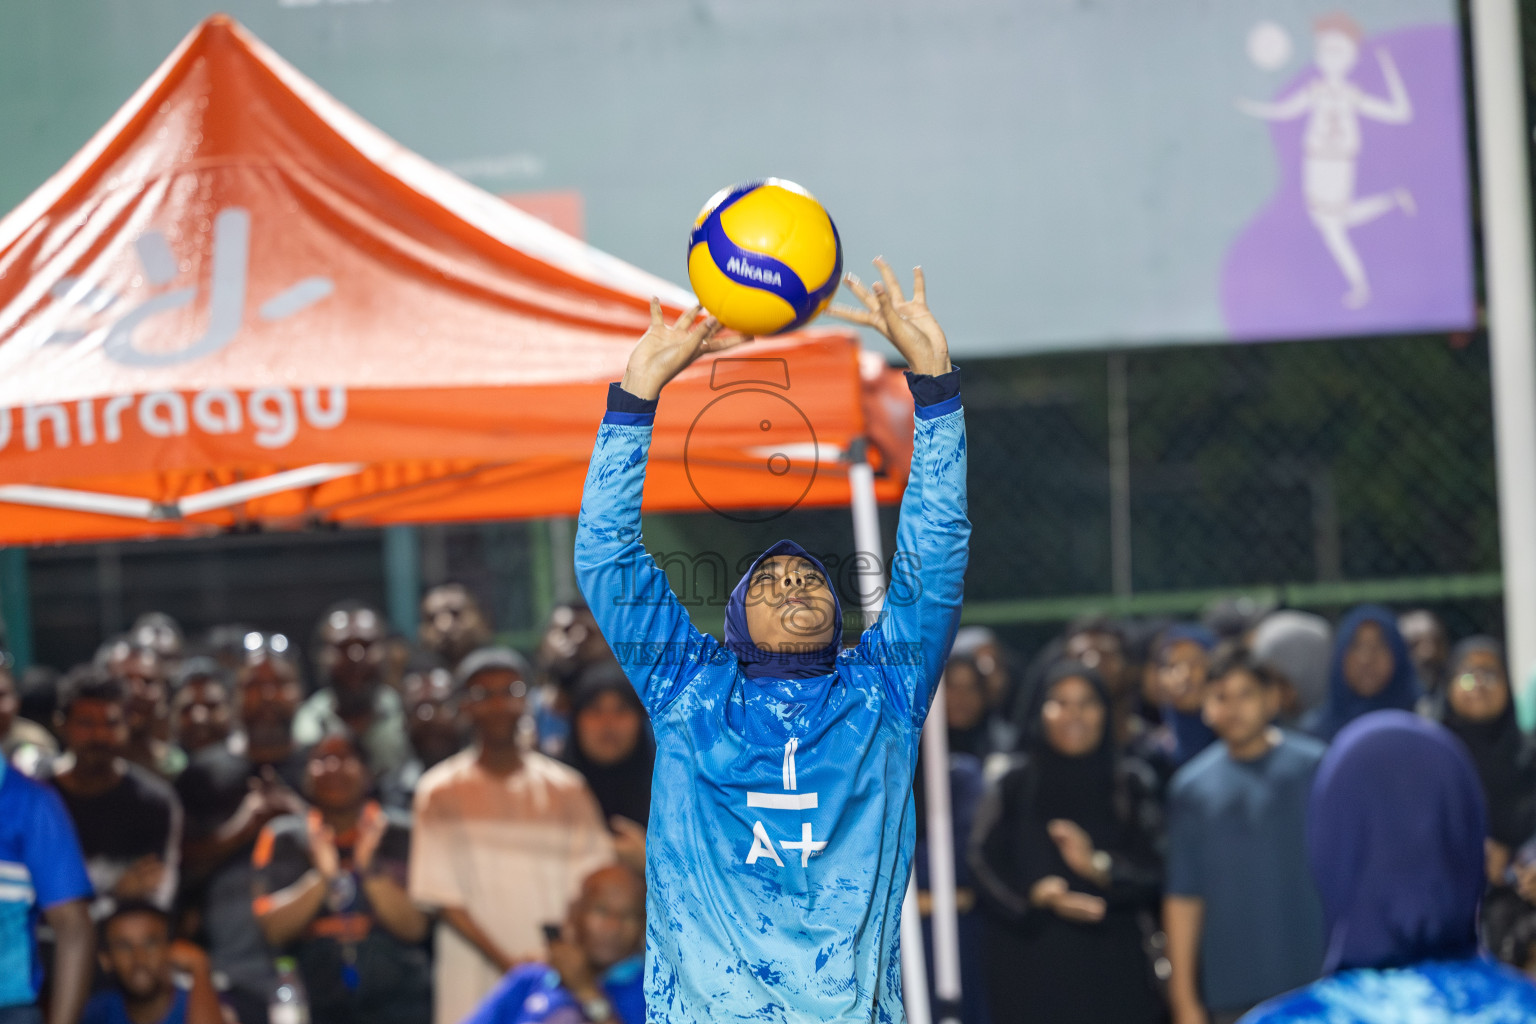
(240, 305)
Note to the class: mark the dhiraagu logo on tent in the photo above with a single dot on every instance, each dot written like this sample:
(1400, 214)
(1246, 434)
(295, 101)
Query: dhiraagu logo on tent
(226, 297)
(271, 416)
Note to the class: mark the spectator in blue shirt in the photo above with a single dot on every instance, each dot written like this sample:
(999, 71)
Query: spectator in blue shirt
(154, 979)
(42, 874)
(595, 964)
(1241, 912)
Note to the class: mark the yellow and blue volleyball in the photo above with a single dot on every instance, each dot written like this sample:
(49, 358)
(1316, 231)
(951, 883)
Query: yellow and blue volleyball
(764, 257)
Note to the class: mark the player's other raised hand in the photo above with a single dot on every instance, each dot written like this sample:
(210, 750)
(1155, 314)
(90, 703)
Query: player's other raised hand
(665, 350)
(906, 323)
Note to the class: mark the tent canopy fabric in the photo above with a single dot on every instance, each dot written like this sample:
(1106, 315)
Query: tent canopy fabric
(242, 306)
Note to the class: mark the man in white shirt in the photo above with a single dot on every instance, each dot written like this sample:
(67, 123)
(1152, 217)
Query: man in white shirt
(502, 840)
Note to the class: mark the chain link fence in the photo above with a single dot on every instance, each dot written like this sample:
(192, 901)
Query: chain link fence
(1313, 474)
(1316, 474)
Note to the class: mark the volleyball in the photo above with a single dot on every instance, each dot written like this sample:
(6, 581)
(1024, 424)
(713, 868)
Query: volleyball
(764, 257)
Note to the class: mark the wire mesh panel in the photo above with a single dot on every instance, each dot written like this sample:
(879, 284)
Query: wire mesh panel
(1323, 473)
(1318, 474)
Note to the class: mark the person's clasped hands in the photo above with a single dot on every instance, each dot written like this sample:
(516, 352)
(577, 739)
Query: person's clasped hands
(1054, 893)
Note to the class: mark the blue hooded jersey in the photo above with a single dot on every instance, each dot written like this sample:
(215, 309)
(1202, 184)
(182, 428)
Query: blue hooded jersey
(1395, 837)
(782, 825)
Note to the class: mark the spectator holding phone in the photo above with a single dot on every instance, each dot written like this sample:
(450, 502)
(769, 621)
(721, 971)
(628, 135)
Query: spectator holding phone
(595, 961)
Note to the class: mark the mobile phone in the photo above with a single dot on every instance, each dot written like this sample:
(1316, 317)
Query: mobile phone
(552, 932)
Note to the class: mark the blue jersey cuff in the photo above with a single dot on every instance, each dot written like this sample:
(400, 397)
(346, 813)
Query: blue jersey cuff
(629, 410)
(935, 395)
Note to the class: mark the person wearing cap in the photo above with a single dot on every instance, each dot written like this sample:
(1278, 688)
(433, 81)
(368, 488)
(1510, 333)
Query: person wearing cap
(1298, 645)
(503, 838)
(782, 824)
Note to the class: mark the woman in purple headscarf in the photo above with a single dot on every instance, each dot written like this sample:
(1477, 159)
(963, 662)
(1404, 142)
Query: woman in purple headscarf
(1371, 671)
(1395, 837)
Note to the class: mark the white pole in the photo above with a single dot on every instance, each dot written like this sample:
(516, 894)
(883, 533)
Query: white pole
(941, 863)
(869, 553)
(1501, 144)
(914, 972)
(869, 577)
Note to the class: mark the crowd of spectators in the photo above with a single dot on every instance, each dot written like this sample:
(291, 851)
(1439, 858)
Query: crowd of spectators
(1131, 806)
(224, 831)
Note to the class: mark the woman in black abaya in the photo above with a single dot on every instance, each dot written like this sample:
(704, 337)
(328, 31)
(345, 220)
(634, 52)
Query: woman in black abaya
(611, 743)
(1477, 706)
(1063, 855)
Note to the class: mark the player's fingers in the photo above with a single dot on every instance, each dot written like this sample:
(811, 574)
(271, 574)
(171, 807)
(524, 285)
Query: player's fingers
(686, 320)
(703, 336)
(857, 287)
(721, 342)
(855, 315)
(889, 277)
(656, 320)
(887, 307)
(919, 286)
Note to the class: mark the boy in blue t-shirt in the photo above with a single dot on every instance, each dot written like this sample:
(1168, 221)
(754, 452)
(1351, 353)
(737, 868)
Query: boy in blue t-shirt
(42, 874)
(156, 980)
(1242, 913)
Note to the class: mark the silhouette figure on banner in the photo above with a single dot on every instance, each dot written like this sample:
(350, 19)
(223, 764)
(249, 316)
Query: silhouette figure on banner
(1334, 106)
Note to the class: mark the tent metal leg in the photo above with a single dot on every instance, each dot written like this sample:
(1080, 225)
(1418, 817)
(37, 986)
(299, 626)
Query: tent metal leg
(402, 578)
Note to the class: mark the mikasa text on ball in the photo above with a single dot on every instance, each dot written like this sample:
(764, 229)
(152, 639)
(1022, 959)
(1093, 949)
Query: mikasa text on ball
(764, 257)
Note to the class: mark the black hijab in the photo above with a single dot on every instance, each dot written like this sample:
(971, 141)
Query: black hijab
(624, 787)
(1498, 749)
(974, 739)
(1079, 789)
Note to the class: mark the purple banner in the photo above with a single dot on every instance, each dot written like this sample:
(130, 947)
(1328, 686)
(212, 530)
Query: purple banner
(1369, 229)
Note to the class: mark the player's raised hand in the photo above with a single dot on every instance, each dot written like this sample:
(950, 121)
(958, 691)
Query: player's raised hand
(665, 350)
(906, 323)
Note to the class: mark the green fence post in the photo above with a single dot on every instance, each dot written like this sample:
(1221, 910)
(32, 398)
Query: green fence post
(541, 572)
(16, 605)
(402, 578)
